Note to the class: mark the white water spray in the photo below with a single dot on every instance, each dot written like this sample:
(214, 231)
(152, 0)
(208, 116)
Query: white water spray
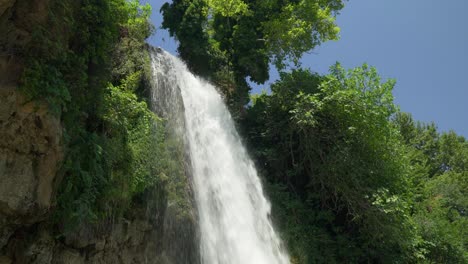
(233, 212)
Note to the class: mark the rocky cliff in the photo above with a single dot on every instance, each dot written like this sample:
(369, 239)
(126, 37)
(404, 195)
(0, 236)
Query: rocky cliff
(32, 152)
(30, 138)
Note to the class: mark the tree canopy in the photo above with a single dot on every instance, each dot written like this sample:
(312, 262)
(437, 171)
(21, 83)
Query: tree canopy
(229, 41)
(279, 31)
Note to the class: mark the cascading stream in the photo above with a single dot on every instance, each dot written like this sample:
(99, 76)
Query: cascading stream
(233, 212)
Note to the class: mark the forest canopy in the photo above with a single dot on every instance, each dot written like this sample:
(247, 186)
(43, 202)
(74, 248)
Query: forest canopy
(229, 41)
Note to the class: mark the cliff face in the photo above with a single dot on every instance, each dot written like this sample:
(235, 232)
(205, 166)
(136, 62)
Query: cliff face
(30, 156)
(17, 18)
(30, 138)
(136, 239)
(32, 152)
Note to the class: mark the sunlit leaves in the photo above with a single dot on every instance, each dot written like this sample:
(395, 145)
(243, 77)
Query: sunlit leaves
(249, 32)
(299, 27)
(330, 140)
(138, 21)
(228, 8)
(439, 179)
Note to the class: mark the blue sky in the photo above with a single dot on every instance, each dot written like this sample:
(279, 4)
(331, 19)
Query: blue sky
(423, 44)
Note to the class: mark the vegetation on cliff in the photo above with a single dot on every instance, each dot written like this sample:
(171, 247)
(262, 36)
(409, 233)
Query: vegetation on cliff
(90, 63)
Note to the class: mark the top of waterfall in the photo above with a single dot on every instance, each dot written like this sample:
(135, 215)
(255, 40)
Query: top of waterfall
(156, 49)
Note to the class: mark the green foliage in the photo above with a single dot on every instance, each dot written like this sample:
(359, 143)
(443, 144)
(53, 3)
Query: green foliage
(351, 179)
(84, 177)
(228, 41)
(298, 28)
(440, 180)
(90, 77)
(229, 8)
(127, 56)
(138, 25)
(134, 140)
(53, 88)
(275, 29)
(186, 20)
(330, 143)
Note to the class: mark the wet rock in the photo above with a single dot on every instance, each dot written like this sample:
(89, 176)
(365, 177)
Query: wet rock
(30, 156)
(41, 249)
(69, 256)
(30, 137)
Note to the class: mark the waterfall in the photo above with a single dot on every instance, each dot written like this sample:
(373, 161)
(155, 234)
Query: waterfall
(233, 212)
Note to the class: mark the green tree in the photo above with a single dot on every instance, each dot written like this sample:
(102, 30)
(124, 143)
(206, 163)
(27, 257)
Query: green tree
(228, 41)
(440, 183)
(335, 165)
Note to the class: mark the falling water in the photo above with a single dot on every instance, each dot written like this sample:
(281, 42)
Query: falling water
(233, 212)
